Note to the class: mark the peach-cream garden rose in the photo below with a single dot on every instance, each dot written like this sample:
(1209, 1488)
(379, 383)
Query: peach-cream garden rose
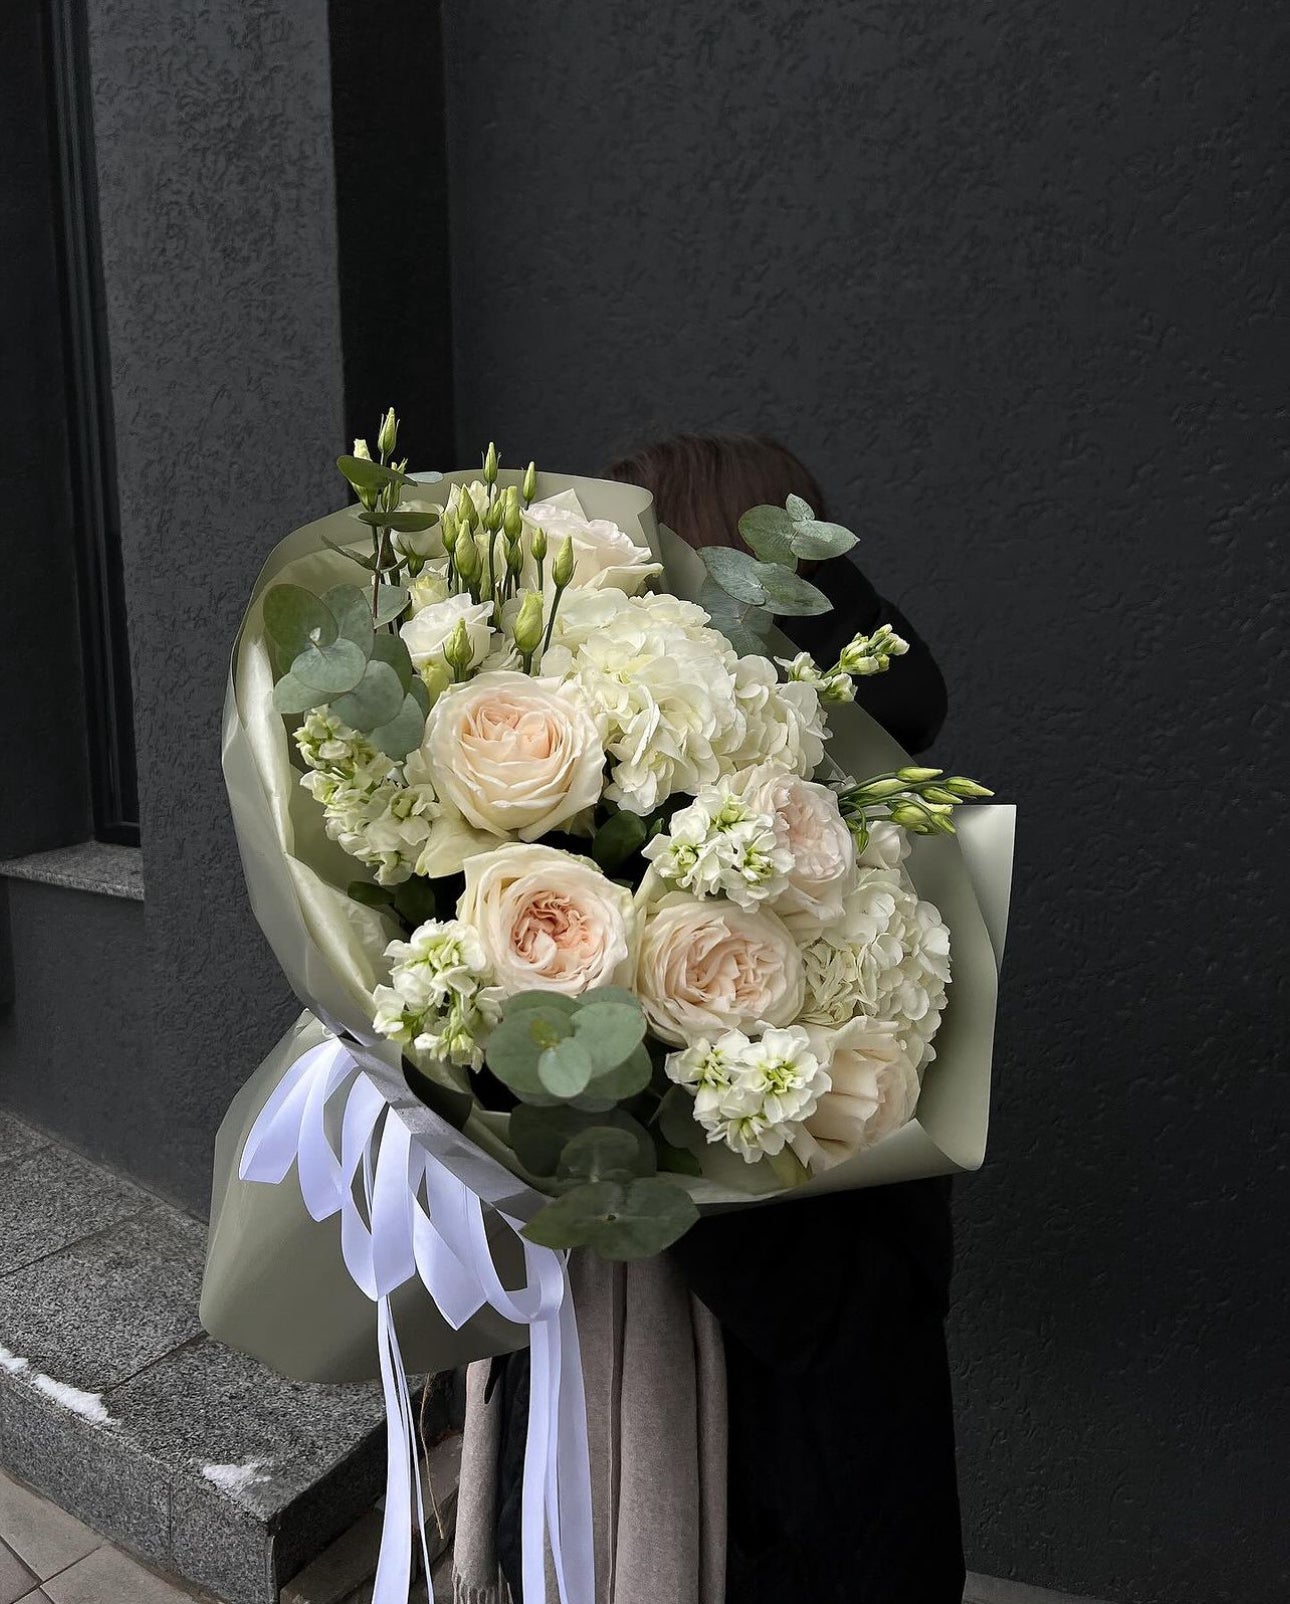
(809, 823)
(709, 966)
(516, 756)
(874, 1090)
(548, 921)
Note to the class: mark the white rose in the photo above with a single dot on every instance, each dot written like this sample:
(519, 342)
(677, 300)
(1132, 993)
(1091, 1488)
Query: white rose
(873, 1090)
(514, 755)
(813, 830)
(426, 633)
(604, 556)
(887, 847)
(547, 920)
(708, 967)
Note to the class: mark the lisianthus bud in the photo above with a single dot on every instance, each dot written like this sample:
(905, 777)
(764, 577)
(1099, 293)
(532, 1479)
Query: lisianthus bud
(528, 623)
(879, 790)
(917, 776)
(457, 648)
(389, 434)
(449, 529)
(467, 511)
(911, 818)
(360, 450)
(538, 545)
(493, 517)
(562, 567)
(512, 520)
(467, 556)
(490, 464)
(529, 488)
(964, 788)
(514, 556)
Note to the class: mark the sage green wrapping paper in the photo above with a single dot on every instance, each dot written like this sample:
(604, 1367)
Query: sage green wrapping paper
(275, 1283)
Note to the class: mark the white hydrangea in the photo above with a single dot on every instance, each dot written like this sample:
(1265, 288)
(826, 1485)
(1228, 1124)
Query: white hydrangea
(678, 708)
(720, 846)
(369, 808)
(754, 1096)
(888, 958)
(440, 1004)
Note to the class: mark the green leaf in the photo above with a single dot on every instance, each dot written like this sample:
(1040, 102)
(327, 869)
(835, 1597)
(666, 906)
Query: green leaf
(738, 574)
(331, 669)
(635, 1221)
(625, 1079)
(390, 649)
(405, 522)
(616, 840)
(817, 542)
(604, 994)
(790, 593)
(292, 695)
(518, 1043)
(371, 896)
(351, 607)
(540, 1135)
(605, 1153)
(296, 619)
(358, 557)
(676, 1161)
(768, 531)
(420, 695)
(375, 700)
(414, 900)
(391, 600)
(403, 733)
(364, 474)
(609, 1031)
(522, 1001)
(746, 640)
(565, 1069)
(676, 1122)
(798, 510)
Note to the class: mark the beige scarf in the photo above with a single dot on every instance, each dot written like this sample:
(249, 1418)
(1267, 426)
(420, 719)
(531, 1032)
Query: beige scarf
(656, 1409)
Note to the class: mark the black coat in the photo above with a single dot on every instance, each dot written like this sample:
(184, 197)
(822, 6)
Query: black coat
(842, 1484)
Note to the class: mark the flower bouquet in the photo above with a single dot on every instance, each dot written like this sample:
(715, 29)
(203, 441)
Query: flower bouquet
(606, 906)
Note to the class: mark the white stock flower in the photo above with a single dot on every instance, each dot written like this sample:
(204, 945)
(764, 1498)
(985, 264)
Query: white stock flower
(515, 755)
(441, 1002)
(426, 633)
(709, 966)
(721, 846)
(752, 1095)
(548, 920)
(873, 1090)
(604, 556)
(888, 957)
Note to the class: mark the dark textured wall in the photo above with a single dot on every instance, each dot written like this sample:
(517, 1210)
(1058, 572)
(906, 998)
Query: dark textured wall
(43, 797)
(1006, 277)
(213, 136)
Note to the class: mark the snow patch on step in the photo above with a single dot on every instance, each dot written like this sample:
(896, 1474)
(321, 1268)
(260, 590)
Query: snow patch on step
(236, 1479)
(89, 1405)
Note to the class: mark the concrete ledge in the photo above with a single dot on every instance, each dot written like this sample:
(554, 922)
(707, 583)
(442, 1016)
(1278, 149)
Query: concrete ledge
(88, 866)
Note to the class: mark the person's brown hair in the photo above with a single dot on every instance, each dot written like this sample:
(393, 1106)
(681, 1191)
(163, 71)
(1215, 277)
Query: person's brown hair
(702, 484)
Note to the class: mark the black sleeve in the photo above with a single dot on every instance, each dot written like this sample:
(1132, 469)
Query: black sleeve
(909, 700)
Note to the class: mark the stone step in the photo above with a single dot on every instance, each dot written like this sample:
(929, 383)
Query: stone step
(115, 1404)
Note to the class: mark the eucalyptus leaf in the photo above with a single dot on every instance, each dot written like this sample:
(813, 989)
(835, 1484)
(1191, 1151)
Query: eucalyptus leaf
(351, 607)
(523, 1001)
(617, 839)
(738, 574)
(600, 994)
(618, 1222)
(387, 648)
(788, 593)
(625, 1079)
(414, 900)
(364, 474)
(517, 1044)
(676, 1122)
(403, 733)
(375, 700)
(331, 669)
(817, 542)
(292, 695)
(746, 641)
(798, 510)
(420, 695)
(768, 531)
(609, 1031)
(539, 1135)
(363, 560)
(605, 1153)
(296, 619)
(565, 1069)
(403, 522)
(676, 1160)
(391, 600)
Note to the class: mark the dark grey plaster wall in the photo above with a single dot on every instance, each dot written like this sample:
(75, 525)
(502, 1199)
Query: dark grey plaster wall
(212, 127)
(1007, 278)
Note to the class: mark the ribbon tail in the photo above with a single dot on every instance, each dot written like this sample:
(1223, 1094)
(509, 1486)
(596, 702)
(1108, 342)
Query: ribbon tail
(394, 1564)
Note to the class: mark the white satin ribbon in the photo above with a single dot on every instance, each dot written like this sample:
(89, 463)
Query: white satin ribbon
(444, 1244)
